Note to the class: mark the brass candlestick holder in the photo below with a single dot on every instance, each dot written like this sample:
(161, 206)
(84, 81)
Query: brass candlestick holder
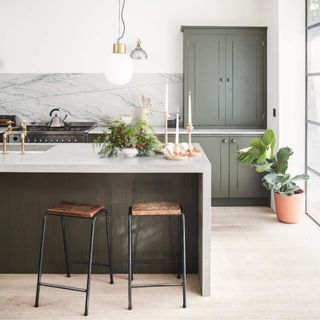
(192, 152)
(177, 154)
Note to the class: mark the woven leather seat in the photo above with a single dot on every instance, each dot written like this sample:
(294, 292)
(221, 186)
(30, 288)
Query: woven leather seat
(72, 209)
(155, 208)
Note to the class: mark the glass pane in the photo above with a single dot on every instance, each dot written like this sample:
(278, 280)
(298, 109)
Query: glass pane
(314, 50)
(313, 11)
(313, 198)
(313, 147)
(313, 98)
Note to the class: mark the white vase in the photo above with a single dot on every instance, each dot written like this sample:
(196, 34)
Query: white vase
(130, 152)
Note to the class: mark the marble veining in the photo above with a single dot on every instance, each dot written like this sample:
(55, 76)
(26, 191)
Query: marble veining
(86, 97)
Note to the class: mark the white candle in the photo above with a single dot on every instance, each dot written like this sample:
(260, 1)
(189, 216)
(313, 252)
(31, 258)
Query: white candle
(189, 109)
(177, 127)
(167, 99)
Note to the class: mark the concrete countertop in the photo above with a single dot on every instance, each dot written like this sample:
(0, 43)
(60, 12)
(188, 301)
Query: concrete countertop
(82, 158)
(160, 130)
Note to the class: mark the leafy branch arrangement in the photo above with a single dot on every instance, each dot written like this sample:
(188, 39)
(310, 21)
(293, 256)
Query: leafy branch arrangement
(140, 136)
(261, 156)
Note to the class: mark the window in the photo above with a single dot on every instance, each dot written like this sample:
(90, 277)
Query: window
(313, 108)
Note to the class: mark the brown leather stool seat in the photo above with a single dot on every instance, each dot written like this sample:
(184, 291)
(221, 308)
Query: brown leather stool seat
(155, 208)
(79, 210)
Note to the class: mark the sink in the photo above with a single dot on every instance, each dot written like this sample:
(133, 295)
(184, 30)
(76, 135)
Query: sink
(16, 148)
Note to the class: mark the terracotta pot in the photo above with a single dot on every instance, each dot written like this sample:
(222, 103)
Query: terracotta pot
(289, 209)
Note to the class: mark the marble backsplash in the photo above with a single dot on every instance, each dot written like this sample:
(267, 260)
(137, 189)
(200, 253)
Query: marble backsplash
(86, 97)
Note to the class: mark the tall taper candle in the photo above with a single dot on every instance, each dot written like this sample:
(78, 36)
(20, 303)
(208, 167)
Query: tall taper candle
(167, 99)
(177, 127)
(189, 108)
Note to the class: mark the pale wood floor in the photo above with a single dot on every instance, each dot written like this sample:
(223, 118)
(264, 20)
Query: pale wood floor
(261, 269)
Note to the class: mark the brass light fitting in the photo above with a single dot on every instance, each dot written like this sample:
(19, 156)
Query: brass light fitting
(138, 53)
(119, 47)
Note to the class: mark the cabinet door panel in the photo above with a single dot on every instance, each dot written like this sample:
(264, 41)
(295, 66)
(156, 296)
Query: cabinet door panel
(244, 181)
(245, 80)
(205, 79)
(217, 150)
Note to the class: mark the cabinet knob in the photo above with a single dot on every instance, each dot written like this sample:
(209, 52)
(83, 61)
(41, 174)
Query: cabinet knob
(221, 79)
(233, 140)
(228, 79)
(225, 140)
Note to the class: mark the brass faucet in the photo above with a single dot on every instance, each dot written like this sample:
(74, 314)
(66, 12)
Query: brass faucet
(6, 134)
(23, 135)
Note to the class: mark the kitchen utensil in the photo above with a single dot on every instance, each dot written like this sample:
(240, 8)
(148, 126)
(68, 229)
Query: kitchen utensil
(56, 121)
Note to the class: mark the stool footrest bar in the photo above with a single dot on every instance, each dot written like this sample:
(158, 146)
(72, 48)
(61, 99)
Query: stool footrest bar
(99, 264)
(154, 261)
(57, 286)
(151, 285)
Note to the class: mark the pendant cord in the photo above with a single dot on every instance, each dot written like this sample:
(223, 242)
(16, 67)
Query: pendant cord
(119, 17)
(122, 20)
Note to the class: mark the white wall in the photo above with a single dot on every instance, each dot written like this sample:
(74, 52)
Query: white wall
(76, 35)
(286, 75)
(271, 19)
(292, 80)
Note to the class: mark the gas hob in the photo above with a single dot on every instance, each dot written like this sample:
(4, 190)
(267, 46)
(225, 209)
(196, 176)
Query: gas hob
(72, 132)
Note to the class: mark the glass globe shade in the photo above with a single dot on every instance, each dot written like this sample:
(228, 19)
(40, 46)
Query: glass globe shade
(119, 69)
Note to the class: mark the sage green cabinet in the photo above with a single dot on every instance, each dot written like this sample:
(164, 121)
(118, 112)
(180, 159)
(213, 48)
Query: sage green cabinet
(217, 151)
(230, 179)
(204, 75)
(244, 181)
(225, 71)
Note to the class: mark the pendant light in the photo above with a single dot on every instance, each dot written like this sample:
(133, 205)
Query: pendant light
(119, 67)
(138, 53)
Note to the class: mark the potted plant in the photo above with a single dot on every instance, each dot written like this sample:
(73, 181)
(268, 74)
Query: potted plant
(288, 196)
(137, 139)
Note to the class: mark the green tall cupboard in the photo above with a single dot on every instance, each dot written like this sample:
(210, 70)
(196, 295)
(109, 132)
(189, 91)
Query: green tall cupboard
(225, 71)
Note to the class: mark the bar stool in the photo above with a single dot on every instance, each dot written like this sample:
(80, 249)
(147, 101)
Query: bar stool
(81, 211)
(157, 209)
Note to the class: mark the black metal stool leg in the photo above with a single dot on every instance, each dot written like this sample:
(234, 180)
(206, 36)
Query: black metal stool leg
(44, 222)
(66, 258)
(179, 249)
(89, 266)
(109, 245)
(184, 266)
(130, 261)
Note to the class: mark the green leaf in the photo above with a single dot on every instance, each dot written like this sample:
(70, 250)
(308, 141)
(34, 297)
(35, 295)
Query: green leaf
(281, 163)
(262, 158)
(263, 167)
(269, 139)
(299, 177)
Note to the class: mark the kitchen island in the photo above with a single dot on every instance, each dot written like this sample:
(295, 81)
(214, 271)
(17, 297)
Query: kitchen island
(47, 174)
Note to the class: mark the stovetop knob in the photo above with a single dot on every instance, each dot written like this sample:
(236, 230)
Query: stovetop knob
(69, 140)
(35, 140)
(57, 140)
(75, 140)
(51, 140)
(62, 140)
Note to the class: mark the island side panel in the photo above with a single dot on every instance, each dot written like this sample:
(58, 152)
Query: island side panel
(21, 215)
(204, 232)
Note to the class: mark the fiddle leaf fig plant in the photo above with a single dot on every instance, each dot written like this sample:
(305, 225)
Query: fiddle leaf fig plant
(260, 155)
